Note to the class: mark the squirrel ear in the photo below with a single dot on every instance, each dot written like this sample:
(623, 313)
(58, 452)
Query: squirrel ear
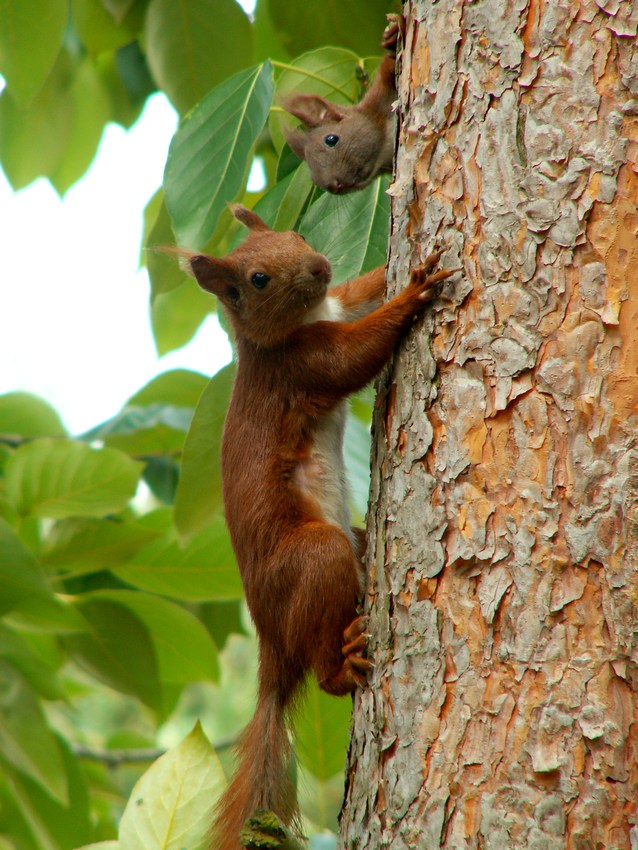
(248, 217)
(216, 276)
(312, 110)
(297, 141)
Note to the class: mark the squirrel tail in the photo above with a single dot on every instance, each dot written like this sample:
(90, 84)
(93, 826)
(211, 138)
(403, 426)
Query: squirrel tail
(262, 779)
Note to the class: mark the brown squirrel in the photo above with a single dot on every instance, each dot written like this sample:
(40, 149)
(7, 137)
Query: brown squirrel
(301, 350)
(346, 147)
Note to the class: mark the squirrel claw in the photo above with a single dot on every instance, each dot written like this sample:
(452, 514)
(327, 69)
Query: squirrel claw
(395, 29)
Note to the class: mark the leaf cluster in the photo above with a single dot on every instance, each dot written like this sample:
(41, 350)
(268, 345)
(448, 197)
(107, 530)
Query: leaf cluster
(121, 614)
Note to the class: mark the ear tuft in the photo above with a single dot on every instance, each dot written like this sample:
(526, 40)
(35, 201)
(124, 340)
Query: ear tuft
(249, 218)
(313, 111)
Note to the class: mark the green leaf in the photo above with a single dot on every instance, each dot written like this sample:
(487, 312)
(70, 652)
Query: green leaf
(98, 29)
(179, 387)
(19, 653)
(321, 732)
(22, 585)
(195, 44)
(183, 648)
(118, 9)
(357, 457)
(209, 154)
(351, 230)
(139, 431)
(26, 415)
(297, 189)
(30, 38)
(86, 545)
(267, 42)
(163, 270)
(58, 478)
(201, 571)
(117, 649)
(56, 826)
(176, 315)
(170, 808)
(90, 110)
(357, 24)
(33, 139)
(199, 496)
(101, 845)
(26, 742)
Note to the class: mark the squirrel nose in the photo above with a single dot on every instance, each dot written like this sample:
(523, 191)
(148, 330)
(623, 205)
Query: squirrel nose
(320, 268)
(335, 186)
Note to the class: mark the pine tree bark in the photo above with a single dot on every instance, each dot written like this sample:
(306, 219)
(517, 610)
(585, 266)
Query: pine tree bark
(503, 538)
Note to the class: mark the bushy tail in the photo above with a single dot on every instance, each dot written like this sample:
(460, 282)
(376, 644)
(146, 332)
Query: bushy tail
(262, 778)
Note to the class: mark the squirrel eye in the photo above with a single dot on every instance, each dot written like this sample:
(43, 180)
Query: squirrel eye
(331, 140)
(259, 280)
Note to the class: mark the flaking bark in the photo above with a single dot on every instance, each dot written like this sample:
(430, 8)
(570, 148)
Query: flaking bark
(503, 543)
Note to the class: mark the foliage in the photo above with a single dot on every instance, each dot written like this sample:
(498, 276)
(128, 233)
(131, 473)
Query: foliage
(122, 619)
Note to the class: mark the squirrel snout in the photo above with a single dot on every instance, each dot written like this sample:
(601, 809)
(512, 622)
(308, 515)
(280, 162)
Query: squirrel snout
(320, 269)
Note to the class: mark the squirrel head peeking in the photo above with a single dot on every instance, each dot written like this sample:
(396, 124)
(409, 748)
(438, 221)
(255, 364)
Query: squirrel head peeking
(268, 284)
(345, 147)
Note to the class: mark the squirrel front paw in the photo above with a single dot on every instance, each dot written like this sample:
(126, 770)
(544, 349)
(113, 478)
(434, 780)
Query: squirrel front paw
(426, 284)
(394, 28)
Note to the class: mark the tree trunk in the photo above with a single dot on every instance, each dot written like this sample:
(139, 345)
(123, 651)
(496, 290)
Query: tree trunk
(503, 538)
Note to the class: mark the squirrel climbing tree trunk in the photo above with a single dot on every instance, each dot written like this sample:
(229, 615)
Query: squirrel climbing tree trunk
(503, 538)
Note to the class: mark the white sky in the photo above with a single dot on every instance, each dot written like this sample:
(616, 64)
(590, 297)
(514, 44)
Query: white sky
(74, 324)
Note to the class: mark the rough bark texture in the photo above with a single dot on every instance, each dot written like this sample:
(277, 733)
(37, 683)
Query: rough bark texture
(503, 546)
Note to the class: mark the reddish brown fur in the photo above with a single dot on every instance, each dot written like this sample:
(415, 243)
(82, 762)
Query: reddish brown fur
(300, 572)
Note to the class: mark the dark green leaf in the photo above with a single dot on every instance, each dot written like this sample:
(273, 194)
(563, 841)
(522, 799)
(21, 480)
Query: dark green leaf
(322, 732)
(18, 652)
(267, 42)
(117, 649)
(161, 475)
(209, 154)
(195, 44)
(26, 415)
(183, 648)
(22, 585)
(351, 230)
(58, 478)
(30, 38)
(198, 496)
(357, 24)
(57, 826)
(201, 571)
(26, 742)
(222, 618)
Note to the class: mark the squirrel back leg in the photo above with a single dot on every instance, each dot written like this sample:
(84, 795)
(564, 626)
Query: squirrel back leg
(322, 625)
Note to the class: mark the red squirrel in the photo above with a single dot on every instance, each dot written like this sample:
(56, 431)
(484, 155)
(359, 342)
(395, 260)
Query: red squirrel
(346, 147)
(301, 350)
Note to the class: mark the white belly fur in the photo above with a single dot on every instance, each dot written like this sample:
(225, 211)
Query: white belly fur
(322, 476)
